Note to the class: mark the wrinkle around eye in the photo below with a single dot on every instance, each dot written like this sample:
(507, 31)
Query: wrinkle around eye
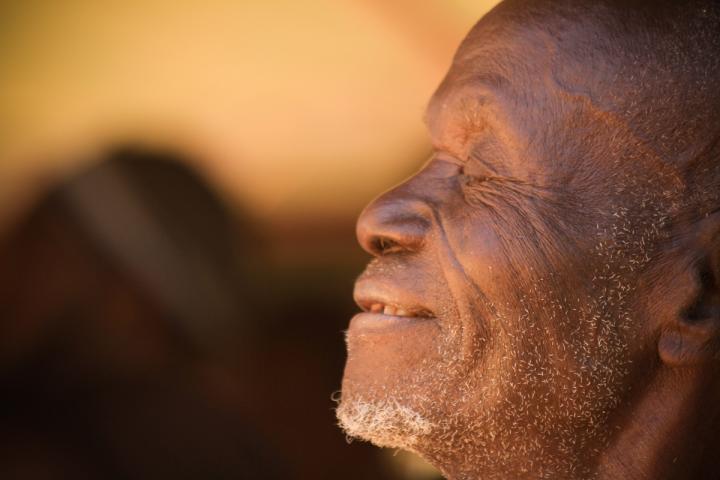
(496, 192)
(477, 193)
(481, 165)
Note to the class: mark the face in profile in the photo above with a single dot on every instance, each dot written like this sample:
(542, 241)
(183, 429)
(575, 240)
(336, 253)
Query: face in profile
(505, 313)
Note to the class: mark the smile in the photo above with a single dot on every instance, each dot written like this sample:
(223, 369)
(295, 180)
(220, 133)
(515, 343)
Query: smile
(385, 307)
(395, 311)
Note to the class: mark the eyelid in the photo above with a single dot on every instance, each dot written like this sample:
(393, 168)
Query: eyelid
(447, 157)
(461, 167)
(470, 180)
(444, 165)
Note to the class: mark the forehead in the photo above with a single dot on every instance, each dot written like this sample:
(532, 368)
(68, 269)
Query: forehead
(523, 62)
(549, 108)
(497, 95)
(562, 110)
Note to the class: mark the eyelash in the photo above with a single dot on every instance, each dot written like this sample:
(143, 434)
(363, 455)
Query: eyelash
(465, 178)
(470, 180)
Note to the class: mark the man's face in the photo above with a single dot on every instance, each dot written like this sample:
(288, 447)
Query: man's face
(503, 312)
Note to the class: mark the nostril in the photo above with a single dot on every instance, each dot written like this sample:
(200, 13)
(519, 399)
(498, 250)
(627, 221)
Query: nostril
(396, 222)
(385, 246)
(386, 235)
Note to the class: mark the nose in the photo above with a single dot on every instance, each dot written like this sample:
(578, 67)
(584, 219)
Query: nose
(395, 222)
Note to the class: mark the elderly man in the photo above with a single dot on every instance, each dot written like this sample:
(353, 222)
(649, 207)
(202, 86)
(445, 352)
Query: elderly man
(544, 299)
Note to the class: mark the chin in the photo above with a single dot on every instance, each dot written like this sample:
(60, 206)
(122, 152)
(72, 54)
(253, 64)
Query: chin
(394, 376)
(387, 423)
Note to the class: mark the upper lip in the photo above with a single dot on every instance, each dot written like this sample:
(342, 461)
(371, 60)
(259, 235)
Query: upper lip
(379, 297)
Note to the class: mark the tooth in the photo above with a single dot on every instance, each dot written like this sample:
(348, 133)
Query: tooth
(389, 310)
(402, 313)
(376, 308)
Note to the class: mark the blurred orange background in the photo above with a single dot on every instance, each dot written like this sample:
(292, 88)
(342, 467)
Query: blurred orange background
(295, 107)
(296, 113)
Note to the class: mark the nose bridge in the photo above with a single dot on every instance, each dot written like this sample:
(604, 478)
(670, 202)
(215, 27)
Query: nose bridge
(399, 220)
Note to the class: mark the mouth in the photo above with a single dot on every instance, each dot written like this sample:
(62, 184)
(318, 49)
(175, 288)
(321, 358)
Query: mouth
(386, 307)
(381, 307)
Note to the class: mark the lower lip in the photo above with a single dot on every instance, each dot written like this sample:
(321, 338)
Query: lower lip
(380, 322)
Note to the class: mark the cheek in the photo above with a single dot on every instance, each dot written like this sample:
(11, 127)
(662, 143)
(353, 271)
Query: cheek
(485, 257)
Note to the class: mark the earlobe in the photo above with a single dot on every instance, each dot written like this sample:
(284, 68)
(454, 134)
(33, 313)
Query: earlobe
(692, 336)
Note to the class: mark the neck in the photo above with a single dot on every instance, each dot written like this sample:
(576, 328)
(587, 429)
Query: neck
(670, 433)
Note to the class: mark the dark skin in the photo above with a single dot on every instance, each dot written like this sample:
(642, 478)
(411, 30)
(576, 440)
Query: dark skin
(544, 299)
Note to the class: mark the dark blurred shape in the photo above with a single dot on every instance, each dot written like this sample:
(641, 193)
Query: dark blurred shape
(158, 221)
(147, 331)
(118, 296)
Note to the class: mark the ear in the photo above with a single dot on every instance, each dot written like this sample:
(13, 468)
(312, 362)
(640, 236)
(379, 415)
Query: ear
(691, 334)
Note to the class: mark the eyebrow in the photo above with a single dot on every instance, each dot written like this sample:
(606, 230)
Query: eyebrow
(479, 88)
(471, 116)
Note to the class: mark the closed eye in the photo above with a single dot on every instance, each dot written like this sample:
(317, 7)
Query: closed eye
(473, 180)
